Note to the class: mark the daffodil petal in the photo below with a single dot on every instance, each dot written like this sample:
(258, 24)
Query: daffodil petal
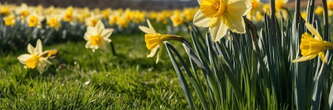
(201, 20)
(39, 47)
(107, 33)
(304, 58)
(239, 7)
(313, 31)
(235, 23)
(146, 29)
(153, 52)
(151, 26)
(23, 58)
(218, 31)
(30, 49)
(322, 56)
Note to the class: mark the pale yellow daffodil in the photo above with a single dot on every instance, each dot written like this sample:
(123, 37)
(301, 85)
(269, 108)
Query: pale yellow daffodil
(97, 36)
(36, 57)
(221, 16)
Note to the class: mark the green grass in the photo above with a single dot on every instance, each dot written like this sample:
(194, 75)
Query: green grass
(82, 79)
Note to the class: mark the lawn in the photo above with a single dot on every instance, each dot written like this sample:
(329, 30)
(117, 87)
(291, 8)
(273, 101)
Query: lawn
(81, 79)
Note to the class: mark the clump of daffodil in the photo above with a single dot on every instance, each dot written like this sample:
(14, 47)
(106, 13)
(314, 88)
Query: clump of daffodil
(177, 19)
(97, 36)
(222, 15)
(154, 40)
(54, 22)
(9, 20)
(36, 58)
(311, 47)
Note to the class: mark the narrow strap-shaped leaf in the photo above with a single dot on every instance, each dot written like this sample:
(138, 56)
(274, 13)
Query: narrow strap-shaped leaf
(172, 54)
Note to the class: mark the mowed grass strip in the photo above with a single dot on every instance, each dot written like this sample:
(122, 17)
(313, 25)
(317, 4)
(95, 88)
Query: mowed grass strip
(81, 79)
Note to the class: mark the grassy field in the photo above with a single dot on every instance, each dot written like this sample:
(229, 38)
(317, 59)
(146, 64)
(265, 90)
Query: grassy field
(82, 79)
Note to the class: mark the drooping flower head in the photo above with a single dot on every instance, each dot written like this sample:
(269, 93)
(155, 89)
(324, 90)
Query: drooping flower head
(154, 40)
(222, 15)
(311, 47)
(97, 36)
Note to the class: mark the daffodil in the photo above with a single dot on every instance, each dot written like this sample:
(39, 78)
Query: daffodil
(123, 22)
(222, 15)
(9, 20)
(319, 10)
(92, 21)
(4, 10)
(256, 13)
(177, 19)
(23, 11)
(97, 36)
(35, 58)
(69, 14)
(154, 40)
(34, 20)
(113, 19)
(54, 22)
(304, 15)
(311, 47)
(189, 13)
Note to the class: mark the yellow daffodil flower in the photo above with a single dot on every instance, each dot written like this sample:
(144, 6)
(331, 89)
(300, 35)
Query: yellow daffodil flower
(68, 15)
(189, 13)
(311, 47)
(23, 11)
(113, 19)
(54, 22)
(177, 19)
(304, 15)
(154, 40)
(319, 11)
(4, 10)
(9, 20)
(123, 22)
(97, 36)
(34, 20)
(221, 15)
(35, 58)
(256, 13)
(92, 21)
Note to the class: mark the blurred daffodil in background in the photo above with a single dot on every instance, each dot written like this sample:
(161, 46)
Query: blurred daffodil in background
(221, 16)
(54, 22)
(9, 20)
(177, 19)
(97, 36)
